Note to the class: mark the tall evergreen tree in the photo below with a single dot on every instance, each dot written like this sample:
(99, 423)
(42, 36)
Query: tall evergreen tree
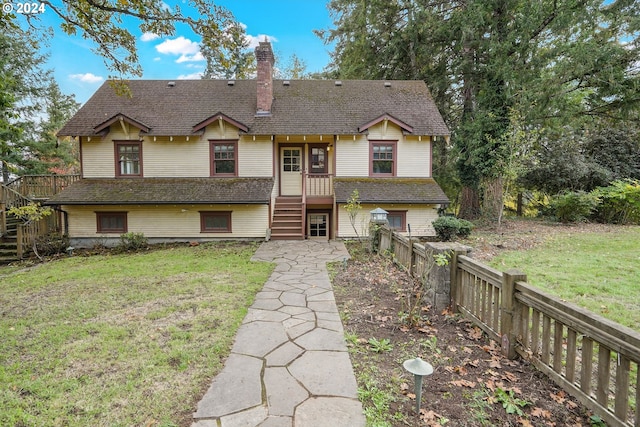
(21, 83)
(232, 59)
(550, 61)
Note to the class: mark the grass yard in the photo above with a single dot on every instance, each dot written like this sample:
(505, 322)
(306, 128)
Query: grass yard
(599, 270)
(121, 340)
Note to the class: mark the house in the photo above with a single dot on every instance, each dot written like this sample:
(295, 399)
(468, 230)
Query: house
(215, 159)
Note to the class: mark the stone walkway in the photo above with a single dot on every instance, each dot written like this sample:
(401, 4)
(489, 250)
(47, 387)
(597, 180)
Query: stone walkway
(289, 365)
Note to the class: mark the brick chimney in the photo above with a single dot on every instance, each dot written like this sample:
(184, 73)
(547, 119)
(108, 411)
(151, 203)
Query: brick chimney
(265, 59)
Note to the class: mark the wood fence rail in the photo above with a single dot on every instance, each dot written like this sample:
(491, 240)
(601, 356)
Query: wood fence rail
(592, 358)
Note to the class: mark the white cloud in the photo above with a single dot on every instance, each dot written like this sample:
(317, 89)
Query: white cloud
(178, 46)
(190, 58)
(192, 76)
(157, 58)
(87, 78)
(147, 37)
(254, 40)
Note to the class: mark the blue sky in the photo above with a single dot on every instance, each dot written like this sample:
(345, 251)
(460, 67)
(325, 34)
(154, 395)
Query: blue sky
(288, 24)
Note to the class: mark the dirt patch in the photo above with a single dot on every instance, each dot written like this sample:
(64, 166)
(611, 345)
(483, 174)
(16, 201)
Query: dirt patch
(472, 383)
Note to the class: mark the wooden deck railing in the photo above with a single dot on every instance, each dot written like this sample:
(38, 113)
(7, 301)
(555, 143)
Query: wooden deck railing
(592, 358)
(318, 184)
(39, 187)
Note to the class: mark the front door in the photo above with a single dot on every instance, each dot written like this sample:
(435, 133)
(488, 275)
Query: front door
(291, 171)
(317, 226)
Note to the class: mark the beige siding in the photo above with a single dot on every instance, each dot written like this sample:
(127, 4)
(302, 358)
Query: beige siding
(352, 157)
(173, 221)
(413, 153)
(390, 131)
(164, 158)
(177, 156)
(255, 157)
(414, 158)
(98, 158)
(418, 216)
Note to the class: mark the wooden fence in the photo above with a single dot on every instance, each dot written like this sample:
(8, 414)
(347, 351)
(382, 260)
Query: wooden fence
(592, 358)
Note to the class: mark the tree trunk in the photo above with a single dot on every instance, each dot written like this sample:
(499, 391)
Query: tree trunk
(519, 204)
(469, 204)
(492, 202)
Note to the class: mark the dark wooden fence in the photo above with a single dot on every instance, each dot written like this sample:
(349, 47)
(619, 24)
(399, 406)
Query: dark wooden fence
(592, 358)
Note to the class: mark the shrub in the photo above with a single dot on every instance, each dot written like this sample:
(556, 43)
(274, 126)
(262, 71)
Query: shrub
(573, 206)
(132, 242)
(620, 202)
(52, 244)
(449, 227)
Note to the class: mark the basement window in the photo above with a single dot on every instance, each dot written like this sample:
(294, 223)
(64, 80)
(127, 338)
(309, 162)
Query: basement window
(111, 222)
(215, 222)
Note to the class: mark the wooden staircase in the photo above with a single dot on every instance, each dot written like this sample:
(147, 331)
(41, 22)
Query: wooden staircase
(287, 219)
(9, 241)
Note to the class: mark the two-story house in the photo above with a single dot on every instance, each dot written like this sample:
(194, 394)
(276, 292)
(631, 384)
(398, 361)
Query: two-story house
(215, 159)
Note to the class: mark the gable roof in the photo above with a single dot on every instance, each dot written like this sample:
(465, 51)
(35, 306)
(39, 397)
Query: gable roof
(302, 107)
(162, 191)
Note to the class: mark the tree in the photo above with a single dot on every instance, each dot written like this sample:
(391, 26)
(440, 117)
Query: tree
(101, 22)
(21, 83)
(43, 151)
(551, 62)
(32, 109)
(233, 59)
(295, 68)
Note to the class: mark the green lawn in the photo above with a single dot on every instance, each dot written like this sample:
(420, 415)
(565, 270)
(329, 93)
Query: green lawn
(120, 340)
(598, 271)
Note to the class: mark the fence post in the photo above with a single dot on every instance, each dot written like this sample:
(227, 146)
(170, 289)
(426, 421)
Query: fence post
(19, 245)
(508, 322)
(455, 281)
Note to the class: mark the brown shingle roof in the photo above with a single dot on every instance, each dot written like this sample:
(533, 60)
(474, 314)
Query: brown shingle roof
(390, 190)
(165, 191)
(305, 107)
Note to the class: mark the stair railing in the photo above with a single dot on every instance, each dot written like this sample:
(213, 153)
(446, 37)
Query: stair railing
(304, 204)
(9, 198)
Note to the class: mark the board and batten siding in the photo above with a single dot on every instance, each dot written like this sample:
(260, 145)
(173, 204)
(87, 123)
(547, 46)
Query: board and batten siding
(178, 156)
(170, 221)
(420, 217)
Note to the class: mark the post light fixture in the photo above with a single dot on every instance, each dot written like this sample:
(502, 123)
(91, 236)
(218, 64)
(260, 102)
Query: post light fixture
(419, 368)
(379, 216)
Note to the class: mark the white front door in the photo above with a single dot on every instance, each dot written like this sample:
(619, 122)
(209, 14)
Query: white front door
(291, 171)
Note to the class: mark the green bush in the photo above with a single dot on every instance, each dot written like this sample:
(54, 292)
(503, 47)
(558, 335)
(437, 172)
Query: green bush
(573, 206)
(620, 202)
(449, 227)
(52, 244)
(131, 242)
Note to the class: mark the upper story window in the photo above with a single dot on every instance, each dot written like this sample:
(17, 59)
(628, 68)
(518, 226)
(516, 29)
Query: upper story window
(128, 158)
(224, 158)
(383, 159)
(318, 160)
